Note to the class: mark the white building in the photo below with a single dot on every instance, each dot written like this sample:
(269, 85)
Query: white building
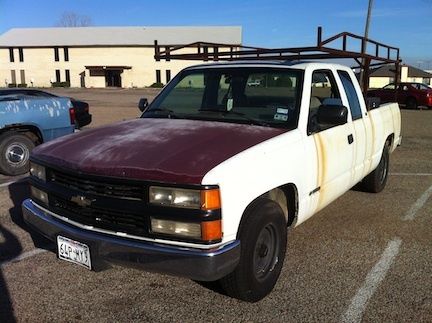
(99, 56)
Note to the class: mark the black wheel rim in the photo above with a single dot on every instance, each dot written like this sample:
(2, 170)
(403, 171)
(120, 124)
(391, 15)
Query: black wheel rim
(266, 252)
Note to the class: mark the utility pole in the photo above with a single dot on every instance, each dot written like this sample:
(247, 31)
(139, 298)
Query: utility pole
(363, 73)
(366, 33)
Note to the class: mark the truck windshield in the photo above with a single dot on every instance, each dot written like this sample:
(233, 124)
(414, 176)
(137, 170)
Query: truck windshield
(258, 96)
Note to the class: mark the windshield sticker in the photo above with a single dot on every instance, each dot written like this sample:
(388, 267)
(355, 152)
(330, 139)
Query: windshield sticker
(230, 104)
(282, 111)
(280, 117)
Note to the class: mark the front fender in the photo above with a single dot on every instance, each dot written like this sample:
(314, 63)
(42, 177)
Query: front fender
(253, 172)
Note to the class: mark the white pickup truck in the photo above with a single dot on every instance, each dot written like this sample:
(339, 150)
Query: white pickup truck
(206, 183)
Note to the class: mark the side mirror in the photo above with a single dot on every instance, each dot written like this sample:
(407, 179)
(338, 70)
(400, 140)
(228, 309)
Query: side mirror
(143, 104)
(332, 115)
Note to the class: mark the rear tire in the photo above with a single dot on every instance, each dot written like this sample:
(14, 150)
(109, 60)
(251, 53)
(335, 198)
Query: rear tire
(263, 237)
(15, 151)
(377, 180)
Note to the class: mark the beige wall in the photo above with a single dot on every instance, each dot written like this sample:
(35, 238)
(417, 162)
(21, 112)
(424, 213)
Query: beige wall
(39, 65)
(378, 82)
(35, 66)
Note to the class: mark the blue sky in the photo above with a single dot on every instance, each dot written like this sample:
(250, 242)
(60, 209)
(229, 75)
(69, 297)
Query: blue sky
(401, 23)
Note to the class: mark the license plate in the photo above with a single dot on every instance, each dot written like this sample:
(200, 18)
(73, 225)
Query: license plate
(73, 251)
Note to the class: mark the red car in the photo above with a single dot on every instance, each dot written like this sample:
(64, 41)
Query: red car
(412, 95)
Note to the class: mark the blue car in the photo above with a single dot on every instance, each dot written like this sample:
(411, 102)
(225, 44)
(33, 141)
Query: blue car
(27, 121)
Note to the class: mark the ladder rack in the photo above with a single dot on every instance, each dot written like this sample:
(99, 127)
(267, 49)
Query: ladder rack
(335, 47)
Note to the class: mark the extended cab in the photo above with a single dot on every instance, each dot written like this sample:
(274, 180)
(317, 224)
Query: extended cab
(207, 181)
(27, 121)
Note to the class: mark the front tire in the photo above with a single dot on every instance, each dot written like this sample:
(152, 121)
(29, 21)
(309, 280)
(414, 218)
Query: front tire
(263, 237)
(15, 151)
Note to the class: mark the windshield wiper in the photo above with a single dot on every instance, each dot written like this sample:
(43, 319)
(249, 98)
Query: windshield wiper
(170, 113)
(240, 114)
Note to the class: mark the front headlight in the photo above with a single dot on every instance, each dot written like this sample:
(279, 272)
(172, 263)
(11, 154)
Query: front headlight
(206, 231)
(185, 198)
(38, 171)
(182, 229)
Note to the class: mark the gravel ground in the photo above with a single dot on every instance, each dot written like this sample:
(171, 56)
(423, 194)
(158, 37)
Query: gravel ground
(329, 257)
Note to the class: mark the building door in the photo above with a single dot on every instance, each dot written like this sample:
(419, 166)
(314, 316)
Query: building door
(113, 78)
(82, 79)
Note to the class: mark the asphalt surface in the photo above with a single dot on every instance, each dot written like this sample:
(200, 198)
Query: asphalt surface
(366, 257)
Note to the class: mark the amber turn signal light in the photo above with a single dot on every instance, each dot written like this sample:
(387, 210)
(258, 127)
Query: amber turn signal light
(211, 230)
(210, 199)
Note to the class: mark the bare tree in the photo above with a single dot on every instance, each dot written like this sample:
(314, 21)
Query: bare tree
(72, 19)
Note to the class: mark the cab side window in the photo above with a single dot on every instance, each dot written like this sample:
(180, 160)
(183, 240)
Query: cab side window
(354, 103)
(324, 91)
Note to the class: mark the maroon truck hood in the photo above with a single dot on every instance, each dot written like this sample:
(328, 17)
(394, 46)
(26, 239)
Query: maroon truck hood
(166, 150)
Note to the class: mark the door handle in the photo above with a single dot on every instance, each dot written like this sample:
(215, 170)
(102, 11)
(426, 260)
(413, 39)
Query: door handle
(350, 139)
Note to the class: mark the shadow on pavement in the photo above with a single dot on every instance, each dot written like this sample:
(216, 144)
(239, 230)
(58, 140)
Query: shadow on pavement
(10, 248)
(18, 192)
(214, 286)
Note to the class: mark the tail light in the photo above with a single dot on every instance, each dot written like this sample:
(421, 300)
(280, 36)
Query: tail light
(72, 115)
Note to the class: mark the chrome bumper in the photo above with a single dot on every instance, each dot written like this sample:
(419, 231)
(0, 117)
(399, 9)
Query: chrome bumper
(198, 264)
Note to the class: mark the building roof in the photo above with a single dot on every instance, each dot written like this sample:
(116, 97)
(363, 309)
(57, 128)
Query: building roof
(389, 71)
(119, 36)
(416, 72)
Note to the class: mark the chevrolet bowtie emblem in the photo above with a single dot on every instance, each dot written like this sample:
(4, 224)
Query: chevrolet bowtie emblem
(82, 200)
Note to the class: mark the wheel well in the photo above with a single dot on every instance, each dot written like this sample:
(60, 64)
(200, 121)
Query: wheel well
(389, 141)
(287, 198)
(32, 132)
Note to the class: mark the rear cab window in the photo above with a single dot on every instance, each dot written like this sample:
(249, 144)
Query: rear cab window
(351, 93)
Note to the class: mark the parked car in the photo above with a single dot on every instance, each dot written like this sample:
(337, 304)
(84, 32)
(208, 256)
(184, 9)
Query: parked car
(412, 95)
(207, 181)
(27, 121)
(254, 83)
(81, 108)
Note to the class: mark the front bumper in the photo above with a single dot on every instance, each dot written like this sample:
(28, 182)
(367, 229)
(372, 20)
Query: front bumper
(198, 264)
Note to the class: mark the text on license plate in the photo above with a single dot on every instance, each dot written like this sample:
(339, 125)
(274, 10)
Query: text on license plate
(73, 251)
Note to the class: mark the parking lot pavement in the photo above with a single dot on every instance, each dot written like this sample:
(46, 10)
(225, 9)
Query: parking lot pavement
(364, 257)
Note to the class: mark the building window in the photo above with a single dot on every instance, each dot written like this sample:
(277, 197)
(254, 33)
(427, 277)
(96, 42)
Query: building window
(22, 74)
(57, 75)
(11, 55)
(158, 76)
(13, 77)
(56, 54)
(67, 75)
(168, 75)
(66, 54)
(21, 54)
